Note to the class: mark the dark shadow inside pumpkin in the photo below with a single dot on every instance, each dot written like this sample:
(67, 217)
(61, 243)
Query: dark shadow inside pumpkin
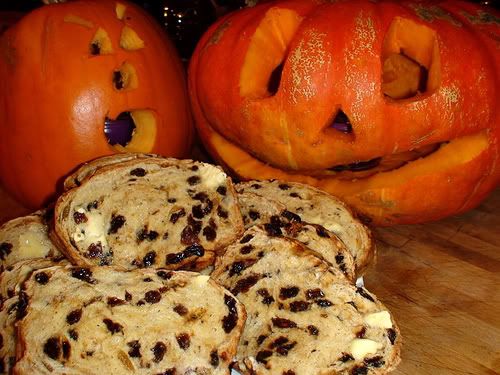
(410, 60)
(131, 131)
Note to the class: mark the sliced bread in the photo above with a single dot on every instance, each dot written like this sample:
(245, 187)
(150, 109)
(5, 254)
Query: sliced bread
(301, 318)
(100, 320)
(149, 212)
(318, 207)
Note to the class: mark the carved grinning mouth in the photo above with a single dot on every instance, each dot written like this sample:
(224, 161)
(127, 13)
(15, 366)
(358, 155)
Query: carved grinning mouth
(131, 131)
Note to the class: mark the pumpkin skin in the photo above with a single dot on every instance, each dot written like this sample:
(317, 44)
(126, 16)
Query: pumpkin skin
(438, 148)
(58, 84)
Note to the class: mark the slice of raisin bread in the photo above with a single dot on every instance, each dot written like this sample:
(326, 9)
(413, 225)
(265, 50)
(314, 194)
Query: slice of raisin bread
(318, 207)
(89, 168)
(26, 237)
(300, 319)
(149, 212)
(257, 210)
(103, 321)
(13, 276)
(8, 317)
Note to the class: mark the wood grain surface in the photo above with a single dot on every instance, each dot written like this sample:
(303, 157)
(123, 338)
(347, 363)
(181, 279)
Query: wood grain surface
(441, 280)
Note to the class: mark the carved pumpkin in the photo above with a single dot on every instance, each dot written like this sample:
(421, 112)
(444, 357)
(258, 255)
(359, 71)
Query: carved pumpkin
(84, 79)
(391, 106)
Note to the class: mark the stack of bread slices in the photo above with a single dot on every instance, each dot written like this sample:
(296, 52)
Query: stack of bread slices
(151, 265)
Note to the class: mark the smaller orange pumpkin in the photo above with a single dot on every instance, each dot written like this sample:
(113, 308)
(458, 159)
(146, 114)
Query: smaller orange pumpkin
(83, 79)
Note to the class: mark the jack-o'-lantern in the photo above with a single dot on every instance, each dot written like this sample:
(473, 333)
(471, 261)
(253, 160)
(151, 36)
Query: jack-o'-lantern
(392, 106)
(83, 79)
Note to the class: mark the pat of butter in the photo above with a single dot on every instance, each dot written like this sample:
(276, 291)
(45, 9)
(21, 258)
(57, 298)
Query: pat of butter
(334, 227)
(380, 319)
(212, 177)
(360, 348)
(201, 280)
(33, 245)
(92, 231)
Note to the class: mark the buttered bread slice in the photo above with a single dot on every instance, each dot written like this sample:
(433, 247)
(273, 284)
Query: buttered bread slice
(149, 212)
(301, 318)
(103, 321)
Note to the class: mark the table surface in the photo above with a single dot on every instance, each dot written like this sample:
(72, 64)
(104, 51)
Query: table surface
(441, 280)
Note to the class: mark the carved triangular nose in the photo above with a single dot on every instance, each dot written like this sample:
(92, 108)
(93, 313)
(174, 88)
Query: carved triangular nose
(342, 123)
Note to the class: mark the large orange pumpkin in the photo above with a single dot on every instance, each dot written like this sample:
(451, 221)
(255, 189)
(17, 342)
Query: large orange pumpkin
(393, 106)
(71, 71)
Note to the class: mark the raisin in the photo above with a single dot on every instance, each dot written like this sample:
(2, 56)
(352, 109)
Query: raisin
(112, 326)
(244, 285)
(263, 356)
(171, 200)
(183, 340)
(236, 268)
(283, 323)
(169, 371)
(189, 236)
(193, 250)
(181, 309)
(118, 80)
(94, 250)
(261, 339)
(177, 215)
(222, 212)
(116, 223)
(214, 358)
(288, 372)
(323, 303)
(314, 293)
(113, 301)
(135, 349)
(361, 333)
(66, 349)
(284, 349)
(73, 334)
(346, 357)
(165, 275)
(52, 348)
(289, 292)
(374, 361)
(391, 335)
(74, 316)
(364, 294)
(291, 216)
(254, 215)
(21, 305)
(159, 351)
(284, 186)
(222, 190)
(152, 296)
(147, 280)
(149, 259)
(272, 230)
(359, 370)
(267, 298)
(145, 234)
(138, 172)
(79, 217)
(209, 233)
(194, 168)
(246, 238)
(298, 306)
(83, 274)
(128, 296)
(313, 330)
(193, 180)
(42, 278)
(5, 249)
(320, 231)
(295, 195)
(201, 210)
(229, 321)
(247, 249)
(278, 342)
(256, 186)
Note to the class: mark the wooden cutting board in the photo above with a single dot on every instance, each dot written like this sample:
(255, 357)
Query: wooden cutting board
(441, 280)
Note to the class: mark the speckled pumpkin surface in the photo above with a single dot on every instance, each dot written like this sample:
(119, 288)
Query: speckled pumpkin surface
(391, 106)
